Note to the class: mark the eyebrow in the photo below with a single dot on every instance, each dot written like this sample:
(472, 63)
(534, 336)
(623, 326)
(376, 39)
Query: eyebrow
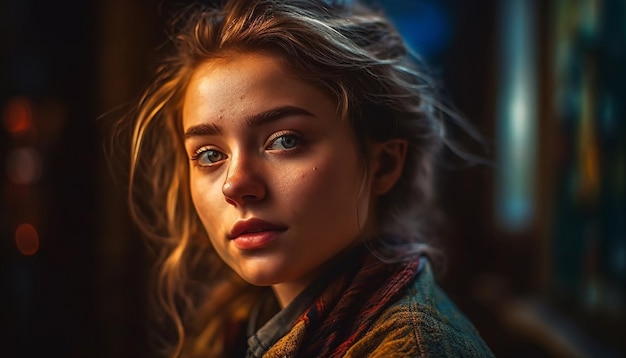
(255, 120)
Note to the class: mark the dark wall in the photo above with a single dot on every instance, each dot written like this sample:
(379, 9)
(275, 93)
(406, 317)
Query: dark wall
(73, 284)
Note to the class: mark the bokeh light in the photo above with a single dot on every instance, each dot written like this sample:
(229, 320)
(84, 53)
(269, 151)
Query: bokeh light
(18, 116)
(24, 165)
(27, 239)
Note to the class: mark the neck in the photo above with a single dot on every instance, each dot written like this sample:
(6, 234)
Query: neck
(286, 292)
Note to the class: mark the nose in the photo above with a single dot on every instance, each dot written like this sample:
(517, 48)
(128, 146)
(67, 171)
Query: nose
(244, 182)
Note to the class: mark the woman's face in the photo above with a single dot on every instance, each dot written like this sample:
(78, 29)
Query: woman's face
(274, 173)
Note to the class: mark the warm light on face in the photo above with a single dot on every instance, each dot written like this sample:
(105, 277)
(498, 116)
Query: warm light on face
(274, 173)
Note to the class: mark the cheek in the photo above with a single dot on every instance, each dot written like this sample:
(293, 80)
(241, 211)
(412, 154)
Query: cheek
(330, 186)
(205, 201)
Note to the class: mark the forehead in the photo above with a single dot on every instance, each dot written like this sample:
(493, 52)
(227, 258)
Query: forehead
(238, 85)
(236, 68)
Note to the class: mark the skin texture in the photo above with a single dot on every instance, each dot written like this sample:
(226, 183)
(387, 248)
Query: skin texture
(296, 168)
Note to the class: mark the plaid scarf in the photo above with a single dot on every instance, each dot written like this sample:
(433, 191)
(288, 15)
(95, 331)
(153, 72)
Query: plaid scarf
(347, 308)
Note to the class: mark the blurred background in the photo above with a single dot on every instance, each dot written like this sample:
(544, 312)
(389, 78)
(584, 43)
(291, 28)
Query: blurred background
(536, 242)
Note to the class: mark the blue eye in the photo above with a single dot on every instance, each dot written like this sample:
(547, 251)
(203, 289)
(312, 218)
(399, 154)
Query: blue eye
(285, 142)
(208, 157)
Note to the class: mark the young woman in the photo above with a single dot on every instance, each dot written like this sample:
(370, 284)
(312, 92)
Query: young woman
(283, 161)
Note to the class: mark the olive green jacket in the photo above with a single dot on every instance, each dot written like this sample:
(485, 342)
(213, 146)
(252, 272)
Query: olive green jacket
(423, 322)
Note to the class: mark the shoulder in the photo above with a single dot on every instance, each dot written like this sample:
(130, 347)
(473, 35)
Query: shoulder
(422, 323)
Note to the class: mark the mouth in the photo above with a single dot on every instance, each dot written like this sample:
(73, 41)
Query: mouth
(253, 226)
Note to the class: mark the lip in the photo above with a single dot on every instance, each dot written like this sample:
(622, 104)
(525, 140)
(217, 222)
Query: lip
(254, 233)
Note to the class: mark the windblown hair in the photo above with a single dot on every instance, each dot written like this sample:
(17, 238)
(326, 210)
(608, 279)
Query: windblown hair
(345, 49)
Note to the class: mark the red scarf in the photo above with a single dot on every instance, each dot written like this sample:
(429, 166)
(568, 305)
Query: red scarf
(347, 308)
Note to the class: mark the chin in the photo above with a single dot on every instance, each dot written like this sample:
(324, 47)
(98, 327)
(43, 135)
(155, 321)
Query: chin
(264, 269)
(260, 281)
(262, 276)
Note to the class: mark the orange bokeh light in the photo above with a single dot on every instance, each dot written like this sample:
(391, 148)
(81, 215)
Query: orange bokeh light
(18, 116)
(27, 239)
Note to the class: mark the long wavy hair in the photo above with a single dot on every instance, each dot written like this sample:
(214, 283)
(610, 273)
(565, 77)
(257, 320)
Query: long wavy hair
(345, 49)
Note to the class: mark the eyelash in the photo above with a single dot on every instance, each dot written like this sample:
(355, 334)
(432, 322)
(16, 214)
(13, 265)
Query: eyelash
(273, 139)
(196, 156)
(283, 134)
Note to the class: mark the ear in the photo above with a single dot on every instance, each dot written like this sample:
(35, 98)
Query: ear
(387, 164)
